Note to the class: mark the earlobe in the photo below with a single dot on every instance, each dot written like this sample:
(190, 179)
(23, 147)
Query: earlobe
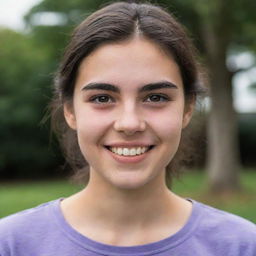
(188, 112)
(186, 119)
(69, 115)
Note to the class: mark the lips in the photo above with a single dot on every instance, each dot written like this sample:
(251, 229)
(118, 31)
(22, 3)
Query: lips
(125, 157)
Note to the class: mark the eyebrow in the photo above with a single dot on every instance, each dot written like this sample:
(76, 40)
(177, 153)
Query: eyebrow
(145, 88)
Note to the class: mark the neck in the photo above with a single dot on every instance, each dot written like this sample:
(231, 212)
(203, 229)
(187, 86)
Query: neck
(120, 208)
(126, 217)
(127, 206)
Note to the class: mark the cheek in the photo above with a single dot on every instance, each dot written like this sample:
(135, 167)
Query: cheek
(91, 126)
(167, 124)
(167, 128)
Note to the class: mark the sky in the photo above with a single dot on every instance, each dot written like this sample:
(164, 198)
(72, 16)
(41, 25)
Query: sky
(12, 11)
(11, 16)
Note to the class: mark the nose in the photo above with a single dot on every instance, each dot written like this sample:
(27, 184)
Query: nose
(129, 121)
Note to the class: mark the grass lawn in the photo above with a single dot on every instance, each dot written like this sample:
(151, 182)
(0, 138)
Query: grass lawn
(18, 196)
(243, 203)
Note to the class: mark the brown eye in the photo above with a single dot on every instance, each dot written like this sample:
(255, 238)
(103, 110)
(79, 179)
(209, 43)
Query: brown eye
(101, 99)
(157, 98)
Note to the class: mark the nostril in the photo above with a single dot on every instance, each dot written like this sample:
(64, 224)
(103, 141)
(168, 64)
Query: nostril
(129, 125)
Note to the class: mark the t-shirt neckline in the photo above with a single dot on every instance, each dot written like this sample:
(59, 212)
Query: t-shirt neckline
(147, 249)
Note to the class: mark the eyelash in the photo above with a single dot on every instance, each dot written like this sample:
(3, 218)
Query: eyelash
(95, 98)
(163, 97)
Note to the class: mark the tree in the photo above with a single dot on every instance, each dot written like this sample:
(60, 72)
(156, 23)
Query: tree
(221, 27)
(221, 23)
(24, 147)
(223, 155)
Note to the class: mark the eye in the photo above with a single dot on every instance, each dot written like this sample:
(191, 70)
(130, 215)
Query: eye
(157, 98)
(101, 99)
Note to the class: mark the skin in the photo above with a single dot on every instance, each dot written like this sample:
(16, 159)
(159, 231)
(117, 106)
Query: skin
(134, 205)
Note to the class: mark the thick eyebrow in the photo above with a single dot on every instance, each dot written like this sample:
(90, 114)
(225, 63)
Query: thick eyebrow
(158, 85)
(101, 86)
(114, 88)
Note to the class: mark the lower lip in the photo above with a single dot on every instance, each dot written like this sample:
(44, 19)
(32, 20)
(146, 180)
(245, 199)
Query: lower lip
(129, 159)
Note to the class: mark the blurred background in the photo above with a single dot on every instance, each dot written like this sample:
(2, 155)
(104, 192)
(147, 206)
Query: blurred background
(33, 36)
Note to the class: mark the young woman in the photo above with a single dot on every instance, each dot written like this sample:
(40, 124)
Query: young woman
(125, 91)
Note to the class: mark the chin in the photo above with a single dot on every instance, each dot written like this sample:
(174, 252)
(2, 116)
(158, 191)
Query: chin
(128, 181)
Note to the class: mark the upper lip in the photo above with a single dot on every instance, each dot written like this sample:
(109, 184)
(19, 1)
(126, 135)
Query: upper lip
(129, 144)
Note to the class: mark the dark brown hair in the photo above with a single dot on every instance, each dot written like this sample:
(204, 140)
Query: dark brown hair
(118, 22)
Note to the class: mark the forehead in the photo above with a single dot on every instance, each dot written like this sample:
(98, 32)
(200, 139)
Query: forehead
(134, 62)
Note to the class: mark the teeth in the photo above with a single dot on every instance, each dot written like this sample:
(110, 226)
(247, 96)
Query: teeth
(129, 151)
(133, 151)
(138, 151)
(126, 151)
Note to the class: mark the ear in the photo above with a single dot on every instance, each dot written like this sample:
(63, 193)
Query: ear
(188, 111)
(69, 115)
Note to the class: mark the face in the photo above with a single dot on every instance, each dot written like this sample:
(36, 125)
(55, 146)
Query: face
(128, 111)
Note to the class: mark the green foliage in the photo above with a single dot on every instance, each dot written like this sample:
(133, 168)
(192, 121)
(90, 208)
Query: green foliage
(238, 16)
(25, 84)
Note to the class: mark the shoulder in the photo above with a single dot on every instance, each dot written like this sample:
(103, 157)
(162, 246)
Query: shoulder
(215, 218)
(225, 229)
(24, 218)
(25, 224)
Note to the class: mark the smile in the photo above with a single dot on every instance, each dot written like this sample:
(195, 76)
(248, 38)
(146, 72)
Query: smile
(124, 151)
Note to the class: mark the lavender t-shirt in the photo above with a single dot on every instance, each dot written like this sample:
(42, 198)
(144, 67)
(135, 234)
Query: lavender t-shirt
(43, 231)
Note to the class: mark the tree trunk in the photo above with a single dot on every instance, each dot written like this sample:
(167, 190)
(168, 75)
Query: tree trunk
(223, 161)
(223, 154)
